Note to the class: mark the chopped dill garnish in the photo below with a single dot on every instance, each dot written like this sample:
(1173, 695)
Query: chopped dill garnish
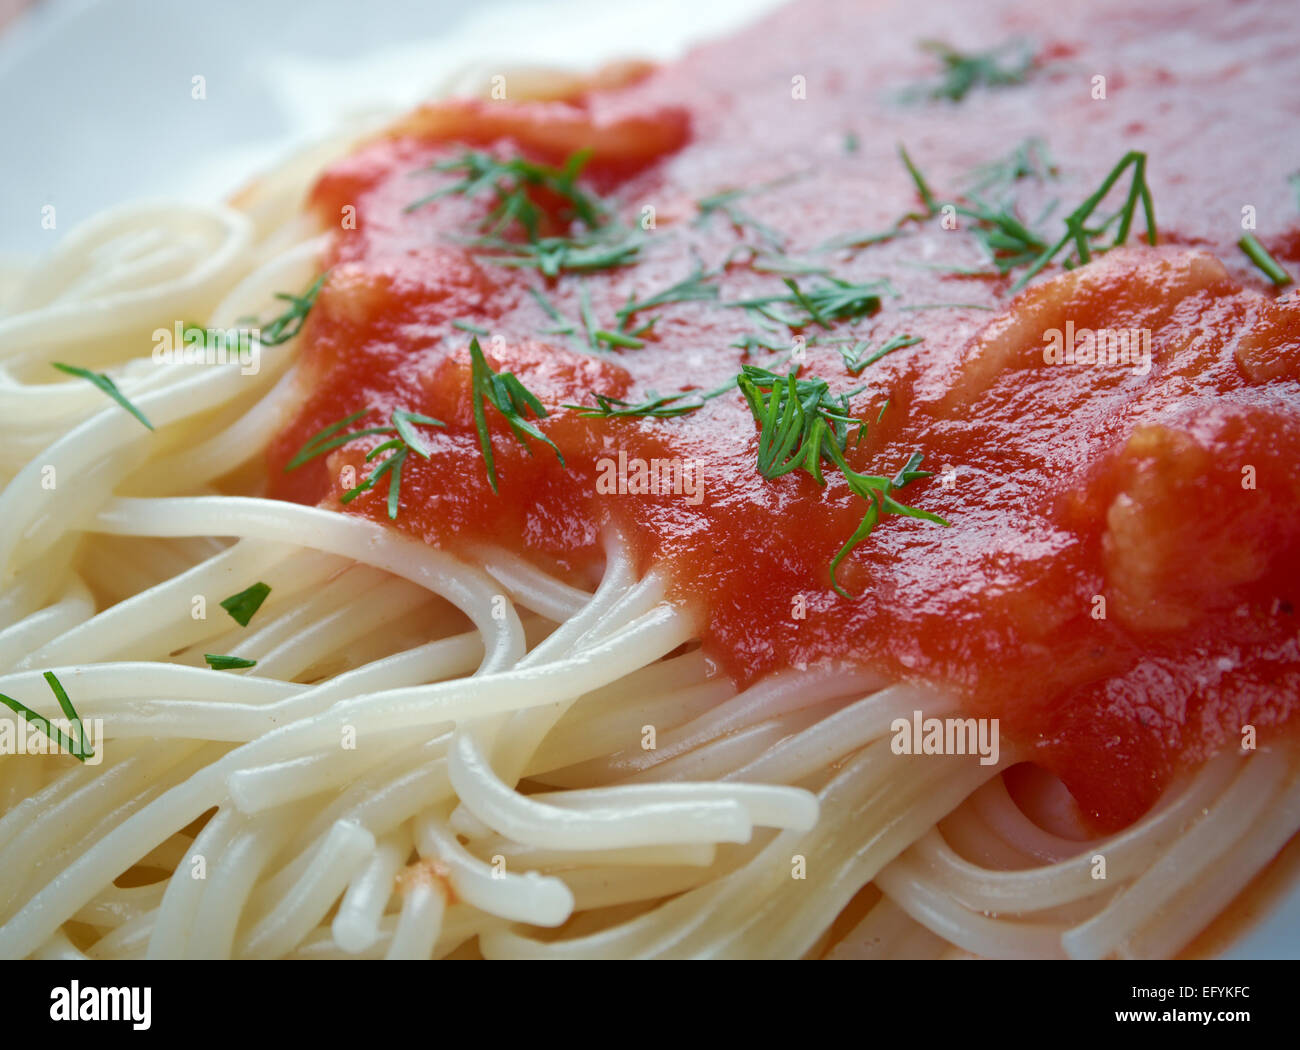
(798, 419)
(961, 71)
(725, 203)
(1083, 236)
(658, 406)
(76, 748)
(878, 491)
(1011, 244)
(504, 392)
(227, 663)
(106, 385)
(693, 288)
(469, 326)
(855, 362)
(860, 239)
(600, 242)
(922, 187)
(801, 424)
(1259, 255)
(288, 324)
(244, 605)
(403, 424)
(407, 440)
(510, 181)
(552, 256)
(832, 300)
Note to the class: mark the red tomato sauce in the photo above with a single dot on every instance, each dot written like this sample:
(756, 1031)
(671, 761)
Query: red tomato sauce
(1120, 581)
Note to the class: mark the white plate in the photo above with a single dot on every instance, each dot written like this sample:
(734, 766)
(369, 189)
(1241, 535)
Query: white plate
(97, 108)
(97, 104)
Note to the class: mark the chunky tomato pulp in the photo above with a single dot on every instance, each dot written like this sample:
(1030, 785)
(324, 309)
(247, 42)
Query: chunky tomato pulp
(1120, 579)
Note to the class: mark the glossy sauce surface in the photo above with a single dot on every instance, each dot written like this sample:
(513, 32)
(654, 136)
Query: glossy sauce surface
(1172, 495)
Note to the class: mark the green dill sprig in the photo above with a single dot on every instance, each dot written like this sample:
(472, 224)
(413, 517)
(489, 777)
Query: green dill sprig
(106, 385)
(878, 492)
(597, 336)
(1011, 244)
(599, 244)
(1006, 240)
(1030, 159)
(725, 204)
(1259, 255)
(947, 306)
(407, 440)
(858, 239)
(770, 341)
(563, 326)
(962, 72)
(402, 423)
(855, 362)
(1087, 239)
(76, 748)
(657, 406)
(227, 663)
(231, 339)
(801, 424)
(391, 467)
(511, 182)
(288, 324)
(832, 300)
(329, 438)
(470, 327)
(922, 187)
(597, 333)
(693, 288)
(504, 392)
(798, 420)
(662, 406)
(244, 605)
(600, 250)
